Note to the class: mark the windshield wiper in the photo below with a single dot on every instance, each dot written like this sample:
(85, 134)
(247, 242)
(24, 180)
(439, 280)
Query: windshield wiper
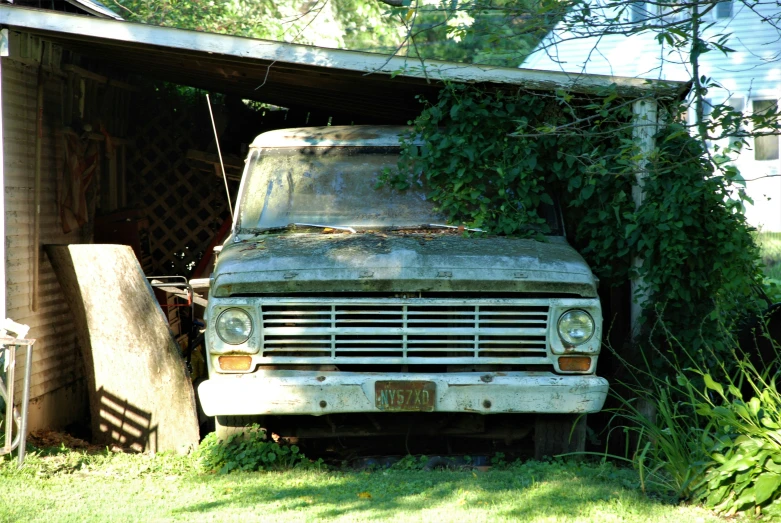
(353, 231)
(336, 227)
(453, 227)
(265, 230)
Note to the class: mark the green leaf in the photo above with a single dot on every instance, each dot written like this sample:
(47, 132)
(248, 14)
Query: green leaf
(744, 463)
(769, 423)
(718, 458)
(741, 410)
(745, 498)
(716, 496)
(765, 486)
(732, 388)
(587, 191)
(754, 406)
(712, 385)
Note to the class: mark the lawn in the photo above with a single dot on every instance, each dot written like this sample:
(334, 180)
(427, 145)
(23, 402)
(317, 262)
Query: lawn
(73, 486)
(770, 250)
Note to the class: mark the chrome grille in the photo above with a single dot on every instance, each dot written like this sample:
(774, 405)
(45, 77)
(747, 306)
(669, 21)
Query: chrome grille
(404, 331)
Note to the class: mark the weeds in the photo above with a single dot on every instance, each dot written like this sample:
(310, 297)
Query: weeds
(769, 244)
(250, 451)
(744, 440)
(712, 440)
(410, 462)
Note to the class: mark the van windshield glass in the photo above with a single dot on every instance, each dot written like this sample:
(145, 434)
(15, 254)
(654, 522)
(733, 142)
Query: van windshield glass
(335, 186)
(329, 186)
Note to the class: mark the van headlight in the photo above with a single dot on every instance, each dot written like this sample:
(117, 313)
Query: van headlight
(234, 326)
(576, 327)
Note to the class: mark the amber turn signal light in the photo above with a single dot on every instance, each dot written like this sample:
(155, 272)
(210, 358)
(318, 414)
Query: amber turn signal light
(235, 362)
(575, 363)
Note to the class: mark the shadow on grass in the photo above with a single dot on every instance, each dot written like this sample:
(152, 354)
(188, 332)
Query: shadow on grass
(524, 493)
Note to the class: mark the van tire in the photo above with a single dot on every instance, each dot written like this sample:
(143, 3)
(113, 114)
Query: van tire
(227, 426)
(556, 434)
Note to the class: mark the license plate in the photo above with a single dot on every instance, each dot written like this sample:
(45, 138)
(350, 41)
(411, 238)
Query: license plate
(405, 396)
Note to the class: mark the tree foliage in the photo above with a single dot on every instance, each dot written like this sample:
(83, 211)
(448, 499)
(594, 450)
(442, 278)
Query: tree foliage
(355, 24)
(494, 32)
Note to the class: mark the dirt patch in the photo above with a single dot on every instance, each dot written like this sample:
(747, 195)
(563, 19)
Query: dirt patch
(45, 438)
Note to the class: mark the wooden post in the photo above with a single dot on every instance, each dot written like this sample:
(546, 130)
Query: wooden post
(645, 126)
(3, 54)
(37, 188)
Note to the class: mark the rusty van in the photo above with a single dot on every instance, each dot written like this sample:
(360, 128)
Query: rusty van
(338, 302)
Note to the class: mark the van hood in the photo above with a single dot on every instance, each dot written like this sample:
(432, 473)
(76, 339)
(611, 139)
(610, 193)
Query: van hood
(393, 262)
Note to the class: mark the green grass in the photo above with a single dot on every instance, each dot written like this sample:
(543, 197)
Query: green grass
(70, 486)
(770, 250)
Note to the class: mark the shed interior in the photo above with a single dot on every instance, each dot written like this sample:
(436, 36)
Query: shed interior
(129, 156)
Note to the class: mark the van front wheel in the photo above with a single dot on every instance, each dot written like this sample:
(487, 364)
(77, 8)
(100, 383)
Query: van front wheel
(559, 434)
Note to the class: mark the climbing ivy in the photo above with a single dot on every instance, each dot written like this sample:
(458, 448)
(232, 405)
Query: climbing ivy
(491, 158)
(479, 175)
(700, 262)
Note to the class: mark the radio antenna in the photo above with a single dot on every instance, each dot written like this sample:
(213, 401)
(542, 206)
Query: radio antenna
(219, 154)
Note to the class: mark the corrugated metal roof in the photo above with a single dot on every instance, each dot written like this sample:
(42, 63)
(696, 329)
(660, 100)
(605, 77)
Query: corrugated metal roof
(292, 75)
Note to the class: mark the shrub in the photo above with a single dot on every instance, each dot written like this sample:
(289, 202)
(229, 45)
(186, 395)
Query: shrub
(743, 441)
(715, 442)
(249, 451)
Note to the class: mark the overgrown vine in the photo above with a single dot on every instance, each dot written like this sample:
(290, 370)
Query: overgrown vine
(491, 159)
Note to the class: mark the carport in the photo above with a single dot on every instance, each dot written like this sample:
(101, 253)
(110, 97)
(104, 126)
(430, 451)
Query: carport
(99, 80)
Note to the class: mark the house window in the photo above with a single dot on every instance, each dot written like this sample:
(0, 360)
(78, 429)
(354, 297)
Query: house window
(765, 147)
(724, 9)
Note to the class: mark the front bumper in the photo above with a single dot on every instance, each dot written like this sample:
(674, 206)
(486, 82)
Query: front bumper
(317, 393)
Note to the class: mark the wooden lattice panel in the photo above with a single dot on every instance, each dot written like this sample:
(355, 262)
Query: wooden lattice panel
(185, 206)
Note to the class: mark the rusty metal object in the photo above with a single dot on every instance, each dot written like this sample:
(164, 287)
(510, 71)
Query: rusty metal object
(299, 392)
(15, 420)
(401, 263)
(405, 396)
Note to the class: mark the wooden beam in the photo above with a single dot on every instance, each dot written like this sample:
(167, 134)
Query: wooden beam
(84, 73)
(115, 139)
(234, 166)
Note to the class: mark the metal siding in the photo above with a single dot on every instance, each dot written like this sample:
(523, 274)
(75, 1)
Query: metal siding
(57, 360)
(639, 55)
(751, 72)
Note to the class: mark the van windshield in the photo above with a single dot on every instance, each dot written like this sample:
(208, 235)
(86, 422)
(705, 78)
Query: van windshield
(336, 186)
(330, 186)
